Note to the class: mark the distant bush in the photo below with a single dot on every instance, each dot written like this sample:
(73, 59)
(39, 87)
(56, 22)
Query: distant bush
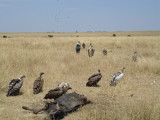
(50, 35)
(114, 35)
(4, 36)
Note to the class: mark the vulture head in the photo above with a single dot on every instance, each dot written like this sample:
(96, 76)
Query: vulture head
(41, 73)
(22, 76)
(122, 70)
(135, 52)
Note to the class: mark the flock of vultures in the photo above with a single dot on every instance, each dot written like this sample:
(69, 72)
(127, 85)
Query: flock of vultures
(62, 102)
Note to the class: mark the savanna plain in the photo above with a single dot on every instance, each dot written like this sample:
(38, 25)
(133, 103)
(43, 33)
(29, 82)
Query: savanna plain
(136, 96)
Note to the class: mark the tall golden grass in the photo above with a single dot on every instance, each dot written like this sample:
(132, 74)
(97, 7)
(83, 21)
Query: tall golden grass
(32, 53)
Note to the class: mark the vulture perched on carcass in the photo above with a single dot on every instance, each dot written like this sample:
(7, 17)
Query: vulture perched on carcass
(63, 105)
(15, 86)
(57, 92)
(94, 79)
(38, 84)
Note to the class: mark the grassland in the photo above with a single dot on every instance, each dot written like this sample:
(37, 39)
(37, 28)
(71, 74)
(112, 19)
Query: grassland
(32, 53)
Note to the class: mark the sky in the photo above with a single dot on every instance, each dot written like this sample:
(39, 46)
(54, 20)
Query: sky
(79, 15)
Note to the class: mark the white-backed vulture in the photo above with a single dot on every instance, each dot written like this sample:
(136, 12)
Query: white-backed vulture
(15, 86)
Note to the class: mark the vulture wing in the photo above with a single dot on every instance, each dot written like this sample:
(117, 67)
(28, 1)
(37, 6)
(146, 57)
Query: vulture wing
(37, 86)
(93, 76)
(54, 93)
(13, 83)
(14, 87)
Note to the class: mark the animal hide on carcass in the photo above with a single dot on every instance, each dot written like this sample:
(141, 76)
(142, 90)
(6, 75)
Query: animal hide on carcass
(62, 106)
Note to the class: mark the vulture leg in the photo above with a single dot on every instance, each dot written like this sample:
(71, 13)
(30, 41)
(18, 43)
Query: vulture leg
(35, 111)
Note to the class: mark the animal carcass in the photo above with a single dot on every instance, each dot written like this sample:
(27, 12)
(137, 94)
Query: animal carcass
(62, 106)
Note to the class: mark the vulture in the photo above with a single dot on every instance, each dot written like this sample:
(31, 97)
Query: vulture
(94, 79)
(15, 86)
(78, 47)
(91, 50)
(57, 92)
(83, 45)
(38, 84)
(104, 52)
(134, 57)
(116, 77)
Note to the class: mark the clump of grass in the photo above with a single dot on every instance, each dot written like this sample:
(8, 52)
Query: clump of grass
(143, 111)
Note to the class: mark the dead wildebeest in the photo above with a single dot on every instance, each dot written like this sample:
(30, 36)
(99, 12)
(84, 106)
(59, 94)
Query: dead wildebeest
(63, 105)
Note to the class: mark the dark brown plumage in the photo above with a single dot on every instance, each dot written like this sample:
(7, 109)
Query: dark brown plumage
(15, 86)
(38, 84)
(94, 79)
(83, 45)
(56, 93)
(104, 52)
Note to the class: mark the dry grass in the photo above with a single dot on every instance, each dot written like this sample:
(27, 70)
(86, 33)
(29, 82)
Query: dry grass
(32, 53)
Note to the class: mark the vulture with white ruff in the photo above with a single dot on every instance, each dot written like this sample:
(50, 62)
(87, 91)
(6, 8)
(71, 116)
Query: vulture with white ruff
(15, 86)
(94, 79)
(38, 84)
(63, 84)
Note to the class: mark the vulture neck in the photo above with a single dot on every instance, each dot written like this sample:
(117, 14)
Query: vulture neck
(122, 70)
(40, 76)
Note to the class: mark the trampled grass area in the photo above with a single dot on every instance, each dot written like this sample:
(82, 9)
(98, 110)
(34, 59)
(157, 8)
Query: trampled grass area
(32, 53)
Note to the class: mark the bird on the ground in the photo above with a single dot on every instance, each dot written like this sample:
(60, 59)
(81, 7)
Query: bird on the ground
(94, 79)
(91, 50)
(38, 84)
(56, 93)
(116, 77)
(135, 57)
(15, 86)
(83, 45)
